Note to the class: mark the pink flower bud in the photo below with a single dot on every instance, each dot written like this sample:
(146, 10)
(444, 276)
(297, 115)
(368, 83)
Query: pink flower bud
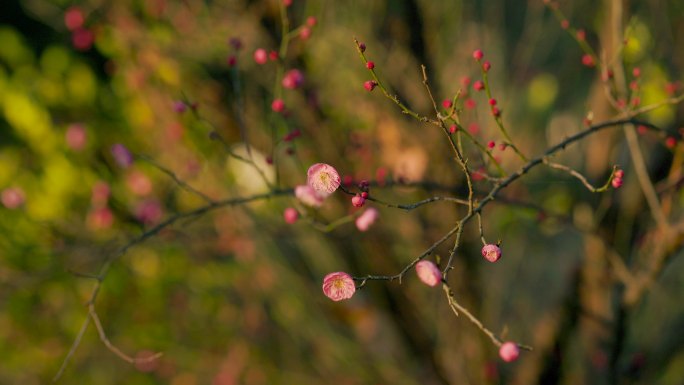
(260, 56)
(636, 72)
(232, 60)
(308, 196)
(364, 195)
(358, 201)
(362, 47)
(478, 85)
(370, 65)
(273, 55)
(338, 286)
(478, 55)
(179, 106)
(367, 218)
(311, 21)
(323, 178)
(293, 79)
(453, 129)
(509, 351)
(100, 218)
(149, 212)
(588, 60)
(619, 173)
(291, 215)
(305, 33)
(446, 103)
(428, 273)
(491, 252)
(278, 105)
(370, 85)
(492, 102)
(491, 144)
(670, 142)
(486, 66)
(616, 182)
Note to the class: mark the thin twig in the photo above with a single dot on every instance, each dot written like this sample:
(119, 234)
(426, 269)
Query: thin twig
(175, 178)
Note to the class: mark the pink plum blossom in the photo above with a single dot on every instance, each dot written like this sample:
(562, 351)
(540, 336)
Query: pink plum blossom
(428, 273)
(491, 252)
(509, 351)
(338, 286)
(365, 220)
(308, 196)
(323, 178)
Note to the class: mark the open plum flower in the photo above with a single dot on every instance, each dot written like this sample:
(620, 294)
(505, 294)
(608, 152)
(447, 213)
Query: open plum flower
(338, 286)
(323, 178)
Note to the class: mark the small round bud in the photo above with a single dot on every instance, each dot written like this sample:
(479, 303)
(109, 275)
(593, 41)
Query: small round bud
(278, 105)
(287, 3)
(581, 35)
(273, 55)
(232, 61)
(641, 129)
(588, 60)
(509, 352)
(358, 201)
(453, 128)
(670, 142)
(478, 55)
(486, 66)
(491, 252)
(291, 215)
(496, 112)
(470, 103)
(370, 65)
(492, 102)
(636, 72)
(305, 33)
(565, 24)
(446, 103)
(370, 85)
(478, 85)
(260, 56)
(616, 182)
(362, 47)
(311, 21)
(364, 195)
(619, 173)
(491, 144)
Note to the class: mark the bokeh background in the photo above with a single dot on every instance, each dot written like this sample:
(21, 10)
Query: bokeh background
(233, 296)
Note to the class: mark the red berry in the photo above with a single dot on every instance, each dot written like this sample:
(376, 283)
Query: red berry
(477, 55)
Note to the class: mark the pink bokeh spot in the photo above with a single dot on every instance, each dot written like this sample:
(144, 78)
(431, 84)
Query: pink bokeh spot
(365, 220)
(291, 215)
(12, 197)
(323, 178)
(428, 273)
(338, 286)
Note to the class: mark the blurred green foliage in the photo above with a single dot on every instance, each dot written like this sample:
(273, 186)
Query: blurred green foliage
(233, 297)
